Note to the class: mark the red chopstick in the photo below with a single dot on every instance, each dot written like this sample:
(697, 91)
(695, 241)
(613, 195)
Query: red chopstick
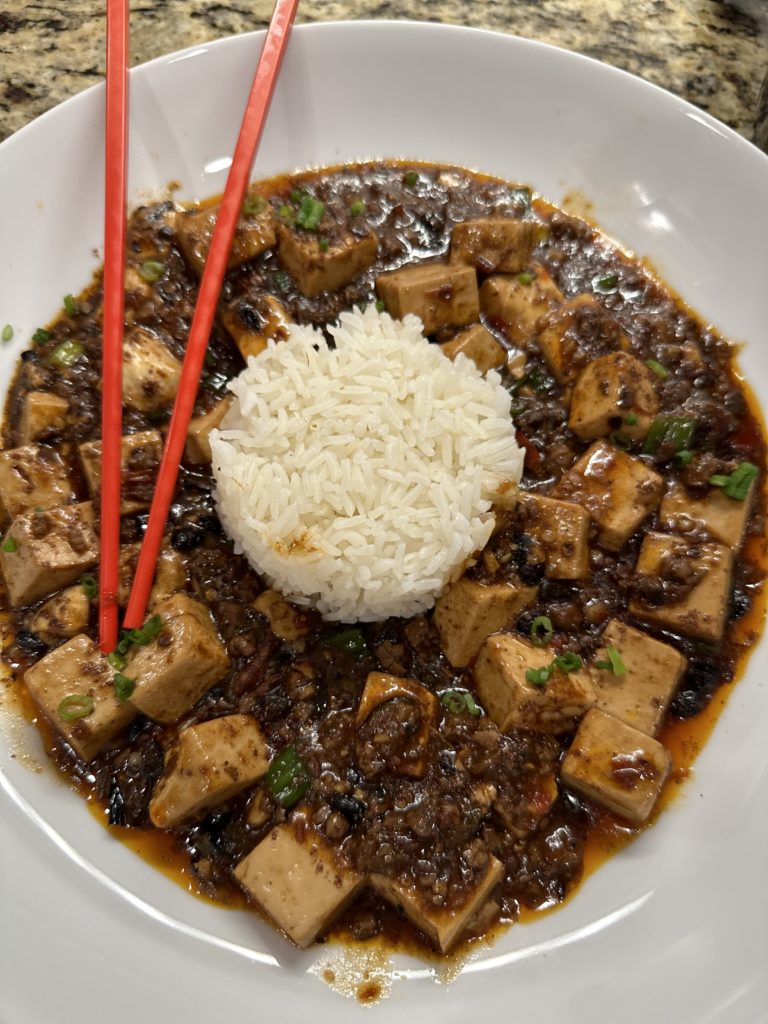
(229, 212)
(116, 148)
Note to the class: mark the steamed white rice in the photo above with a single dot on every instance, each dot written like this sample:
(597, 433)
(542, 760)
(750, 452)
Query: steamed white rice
(357, 479)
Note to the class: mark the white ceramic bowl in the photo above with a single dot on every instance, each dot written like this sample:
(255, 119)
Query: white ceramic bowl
(672, 929)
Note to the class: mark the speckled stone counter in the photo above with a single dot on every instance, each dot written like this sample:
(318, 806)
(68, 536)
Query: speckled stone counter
(710, 52)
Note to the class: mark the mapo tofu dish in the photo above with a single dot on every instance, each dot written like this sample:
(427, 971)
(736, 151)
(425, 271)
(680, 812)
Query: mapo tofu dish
(392, 680)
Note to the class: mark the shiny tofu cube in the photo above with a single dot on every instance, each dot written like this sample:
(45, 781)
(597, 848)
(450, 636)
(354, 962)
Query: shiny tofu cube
(170, 573)
(317, 268)
(495, 245)
(704, 571)
(512, 701)
(32, 477)
(209, 764)
(185, 659)
(467, 612)
(46, 551)
(639, 696)
(299, 881)
(617, 766)
(613, 393)
(151, 373)
(560, 531)
(571, 336)
(43, 415)
(724, 519)
(140, 456)
(410, 759)
(252, 324)
(254, 235)
(442, 926)
(286, 622)
(198, 447)
(478, 344)
(62, 616)
(618, 490)
(439, 294)
(79, 669)
(518, 305)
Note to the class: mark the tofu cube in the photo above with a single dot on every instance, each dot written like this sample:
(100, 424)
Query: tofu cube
(614, 392)
(32, 477)
(723, 518)
(42, 416)
(78, 668)
(467, 612)
(617, 766)
(48, 551)
(439, 294)
(478, 344)
(517, 306)
(210, 763)
(574, 334)
(561, 530)
(618, 490)
(151, 373)
(513, 702)
(198, 447)
(252, 324)
(253, 236)
(170, 574)
(641, 695)
(140, 456)
(62, 616)
(380, 688)
(315, 269)
(185, 659)
(443, 926)
(287, 622)
(494, 245)
(703, 610)
(299, 881)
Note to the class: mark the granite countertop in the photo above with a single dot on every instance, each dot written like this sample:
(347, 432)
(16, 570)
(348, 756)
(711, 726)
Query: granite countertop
(711, 52)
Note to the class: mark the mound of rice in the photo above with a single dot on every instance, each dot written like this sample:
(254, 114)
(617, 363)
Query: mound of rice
(357, 478)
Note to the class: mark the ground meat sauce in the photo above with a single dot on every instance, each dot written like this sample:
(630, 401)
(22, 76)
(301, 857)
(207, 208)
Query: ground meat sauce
(483, 793)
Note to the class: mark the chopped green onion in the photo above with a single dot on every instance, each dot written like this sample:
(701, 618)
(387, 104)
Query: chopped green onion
(310, 213)
(286, 212)
(541, 630)
(116, 660)
(567, 662)
(298, 196)
(526, 277)
(151, 271)
(124, 686)
(281, 281)
(657, 368)
(90, 586)
(737, 484)
(140, 637)
(357, 208)
(7, 332)
(287, 778)
(381, 305)
(74, 706)
(718, 480)
(41, 335)
(614, 663)
(459, 701)
(630, 419)
(684, 458)
(323, 245)
(537, 380)
(606, 284)
(70, 306)
(411, 178)
(9, 545)
(254, 205)
(351, 640)
(66, 353)
(538, 676)
(676, 431)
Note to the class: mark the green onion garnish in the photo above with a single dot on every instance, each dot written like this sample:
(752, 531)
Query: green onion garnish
(140, 637)
(676, 431)
(381, 305)
(357, 208)
(287, 778)
(323, 245)
(459, 701)
(568, 662)
(298, 195)
(526, 277)
(538, 676)
(310, 213)
(541, 630)
(70, 307)
(74, 706)
(90, 586)
(41, 335)
(411, 178)
(151, 271)
(351, 640)
(7, 332)
(630, 419)
(658, 369)
(281, 281)
(116, 660)
(254, 205)
(286, 212)
(684, 458)
(66, 353)
(736, 485)
(124, 686)
(606, 284)
(9, 545)
(614, 663)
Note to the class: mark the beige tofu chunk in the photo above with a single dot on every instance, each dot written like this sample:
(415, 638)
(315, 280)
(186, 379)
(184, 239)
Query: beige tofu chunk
(574, 334)
(443, 926)
(519, 305)
(640, 696)
(618, 490)
(410, 758)
(617, 766)
(614, 393)
(47, 551)
(62, 616)
(252, 324)
(439, 294)
(254, 234)
(151, 373)
(495, 245)
(296, 878)
(209, 764)
(137, 290)
(140, 456)
(170, 574)
(560, 530)
(185, 659)
(478, 344)
(32, 477)
(724, 519)
(703, 610)
(42, 416)
(286, 622)
(467, 612)
(198, 447)
(513, 702)
(317, 269)
(78, 668)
